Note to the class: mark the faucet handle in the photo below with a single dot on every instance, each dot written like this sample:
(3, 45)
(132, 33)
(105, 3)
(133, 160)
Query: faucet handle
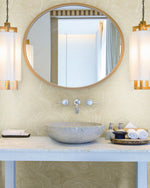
(64, 102)
(77, 101)
(89, 102)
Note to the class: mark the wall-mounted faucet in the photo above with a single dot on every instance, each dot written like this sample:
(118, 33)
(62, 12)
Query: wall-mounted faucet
(77, 103)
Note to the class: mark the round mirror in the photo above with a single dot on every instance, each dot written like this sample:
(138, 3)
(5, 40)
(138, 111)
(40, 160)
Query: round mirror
(73, 46)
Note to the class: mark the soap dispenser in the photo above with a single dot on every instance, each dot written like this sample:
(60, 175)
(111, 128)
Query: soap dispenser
(109, 133)
(120, 126)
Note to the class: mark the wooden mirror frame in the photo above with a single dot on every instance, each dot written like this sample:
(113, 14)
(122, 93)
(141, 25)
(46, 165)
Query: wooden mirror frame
(62, 5)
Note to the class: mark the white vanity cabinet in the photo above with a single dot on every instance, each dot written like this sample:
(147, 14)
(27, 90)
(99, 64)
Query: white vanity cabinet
(44, 149)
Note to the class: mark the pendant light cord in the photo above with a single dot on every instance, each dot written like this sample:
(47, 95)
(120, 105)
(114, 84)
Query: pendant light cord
(142, 10)
(7, 11)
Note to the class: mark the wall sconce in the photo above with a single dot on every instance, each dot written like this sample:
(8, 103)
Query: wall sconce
(10, 55)
(139, 54)
(29, 51)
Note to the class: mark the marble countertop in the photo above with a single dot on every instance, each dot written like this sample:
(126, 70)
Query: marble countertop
(46, 143)
(37, 148)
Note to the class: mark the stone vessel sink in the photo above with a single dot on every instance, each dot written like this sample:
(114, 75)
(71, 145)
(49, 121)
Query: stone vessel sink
(75, 132)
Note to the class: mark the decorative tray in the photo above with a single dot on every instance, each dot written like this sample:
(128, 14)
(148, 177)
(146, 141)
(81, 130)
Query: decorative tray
(130, 141)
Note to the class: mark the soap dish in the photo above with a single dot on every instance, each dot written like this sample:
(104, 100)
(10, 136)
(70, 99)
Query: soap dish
(15, 133)
(25, 135)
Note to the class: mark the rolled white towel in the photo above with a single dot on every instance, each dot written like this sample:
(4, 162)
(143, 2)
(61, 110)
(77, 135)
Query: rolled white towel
(142, 134)
(132, 134)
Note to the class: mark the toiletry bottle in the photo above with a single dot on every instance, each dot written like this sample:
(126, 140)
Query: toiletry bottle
(109, 133)
(120, 126)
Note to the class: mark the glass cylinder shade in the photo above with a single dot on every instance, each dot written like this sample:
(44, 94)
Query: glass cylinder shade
(10, 56)
(29, 51)
(139, 55)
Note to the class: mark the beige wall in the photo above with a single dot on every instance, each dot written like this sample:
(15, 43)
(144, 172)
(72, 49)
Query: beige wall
(34, 104)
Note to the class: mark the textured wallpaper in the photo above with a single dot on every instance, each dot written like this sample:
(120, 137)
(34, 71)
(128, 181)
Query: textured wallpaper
(34, 104)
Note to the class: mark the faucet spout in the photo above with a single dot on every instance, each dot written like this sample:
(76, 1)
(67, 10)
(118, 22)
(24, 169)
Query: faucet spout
(77, 103)
(77, 108)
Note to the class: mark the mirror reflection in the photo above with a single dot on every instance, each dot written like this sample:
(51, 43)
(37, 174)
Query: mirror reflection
(73, 46)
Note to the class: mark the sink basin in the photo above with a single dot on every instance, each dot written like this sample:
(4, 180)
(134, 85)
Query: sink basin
(75, 132)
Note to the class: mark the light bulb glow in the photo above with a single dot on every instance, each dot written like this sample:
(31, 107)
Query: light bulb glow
(29, 50)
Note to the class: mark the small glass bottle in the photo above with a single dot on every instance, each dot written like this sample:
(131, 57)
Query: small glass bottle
(109, 133)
